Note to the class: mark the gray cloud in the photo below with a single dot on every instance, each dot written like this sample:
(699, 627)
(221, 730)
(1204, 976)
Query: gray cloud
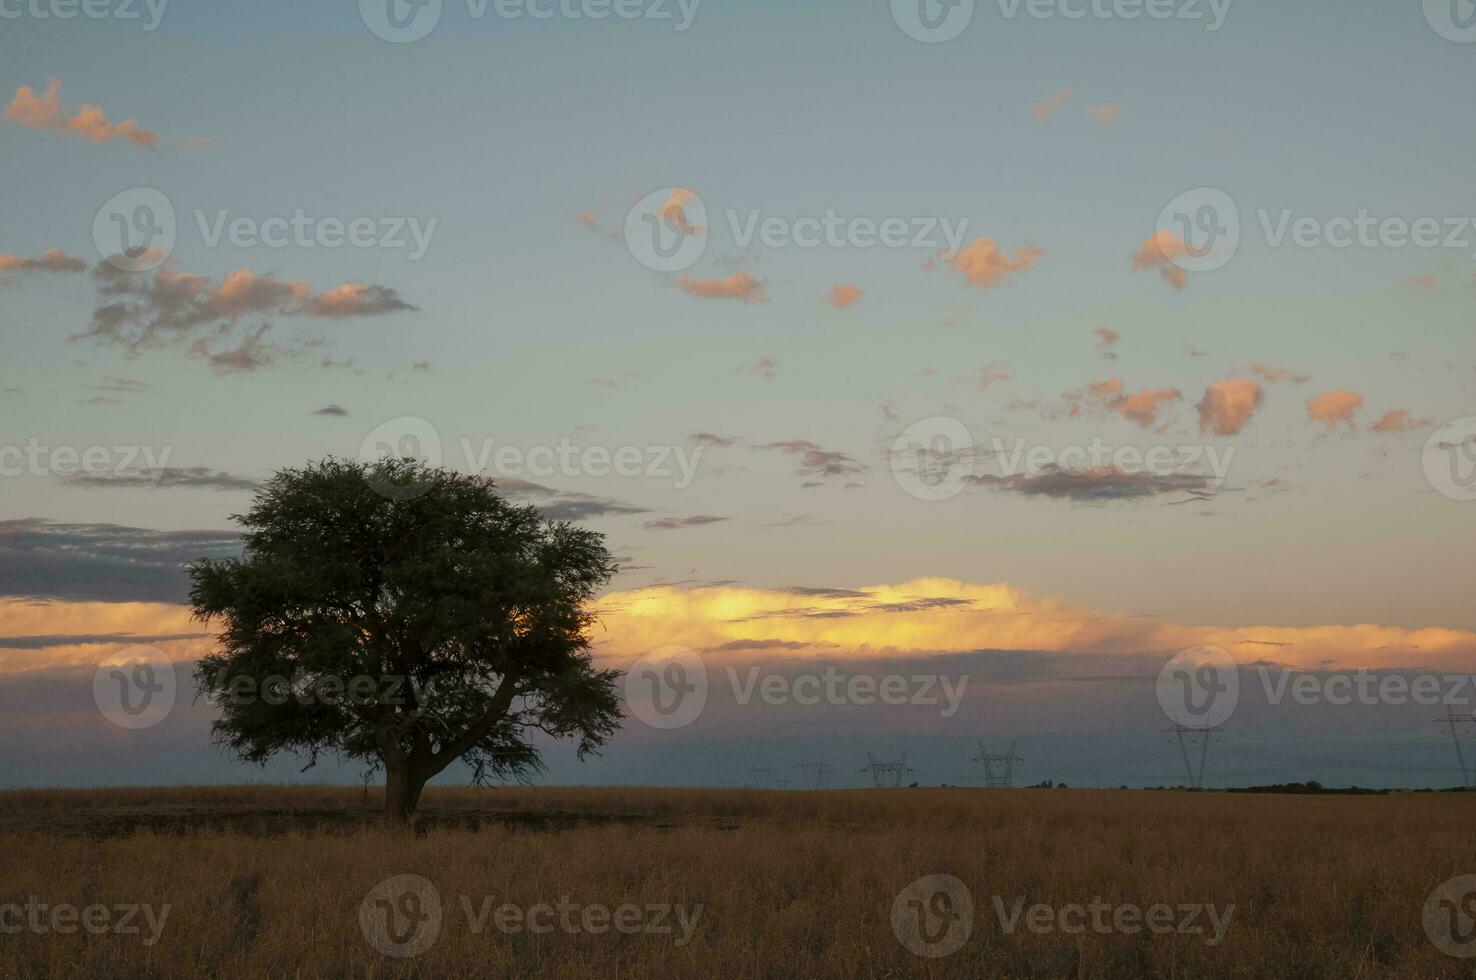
(1097, 486)
(102, 562)
(675, 523)
(193, 477)
(563, 505)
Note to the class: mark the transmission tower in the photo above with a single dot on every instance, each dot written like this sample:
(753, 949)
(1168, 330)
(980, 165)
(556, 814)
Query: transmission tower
(887, 774)
(999, 767)
(1460, 725)
(760, 778)
(816, 775)
(1201, 735)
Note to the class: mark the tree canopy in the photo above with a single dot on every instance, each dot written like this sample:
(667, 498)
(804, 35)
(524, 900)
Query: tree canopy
(405, 615)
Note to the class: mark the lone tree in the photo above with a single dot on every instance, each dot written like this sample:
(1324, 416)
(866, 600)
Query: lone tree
(405, 615)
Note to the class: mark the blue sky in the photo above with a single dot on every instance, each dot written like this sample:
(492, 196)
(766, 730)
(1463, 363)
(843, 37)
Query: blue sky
(530, 326)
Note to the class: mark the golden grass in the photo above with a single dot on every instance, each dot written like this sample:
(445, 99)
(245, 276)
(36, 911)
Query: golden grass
(790, 885)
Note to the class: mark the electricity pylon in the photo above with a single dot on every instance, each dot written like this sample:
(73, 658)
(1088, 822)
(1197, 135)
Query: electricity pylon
(1189, 735)
(816, 775)
(1460, 725)
(999, 767)
(887, 774)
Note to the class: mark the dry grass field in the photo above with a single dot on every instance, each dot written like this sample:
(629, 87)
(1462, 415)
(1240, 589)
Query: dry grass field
(610, 883)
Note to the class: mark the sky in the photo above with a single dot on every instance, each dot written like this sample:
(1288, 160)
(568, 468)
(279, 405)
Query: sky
(1121, 235)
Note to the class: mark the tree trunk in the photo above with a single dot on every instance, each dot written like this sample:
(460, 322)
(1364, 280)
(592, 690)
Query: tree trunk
(402, 786)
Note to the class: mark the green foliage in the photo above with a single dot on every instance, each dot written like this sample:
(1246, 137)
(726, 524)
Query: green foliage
(406, 615)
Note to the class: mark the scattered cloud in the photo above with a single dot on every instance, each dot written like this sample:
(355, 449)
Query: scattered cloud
(102, 562)
(332, 411)
(1335, 408)
(817, 462)
(1045, 107)
(740, 286)
(843, 296)
(1094, 486)
(163, 478)
(147, 312)
(1399, 421)
(983, 263)
(1104, 113)
(47, 111)
(677, 523)
(764, 368)
(564, 505)
(51, 260)
(992, 373)
(1228, 405)
(1158, 251)
(1107, 340)
(1271, 375)
(1111, 395)
(712, 439)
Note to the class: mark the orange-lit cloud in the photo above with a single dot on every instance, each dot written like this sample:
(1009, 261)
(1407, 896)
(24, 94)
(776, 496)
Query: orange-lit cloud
(1228, 405)
(1045, 107)
(1335, 408)
(47, 111)
(1158, 251)
(43, 634)
(933, 615)
(673, 211)
(983, 263)
(844, 295)
(1398, 420)
(1104, 113)
(1112, 396)
(921, 617)
(1271, 374)
(51, 260)
(739, 286)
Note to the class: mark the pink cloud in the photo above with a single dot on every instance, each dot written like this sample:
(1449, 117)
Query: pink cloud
(1109, 339)
(1111, 395)
(1334, 408)
(739, 286)
(51, 260)
(47, 111)
(843, 296)
(1158, 251)
(1270, 374)
(983, 263)
(1398, 421)
(1045, 107)
(1228, 405)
